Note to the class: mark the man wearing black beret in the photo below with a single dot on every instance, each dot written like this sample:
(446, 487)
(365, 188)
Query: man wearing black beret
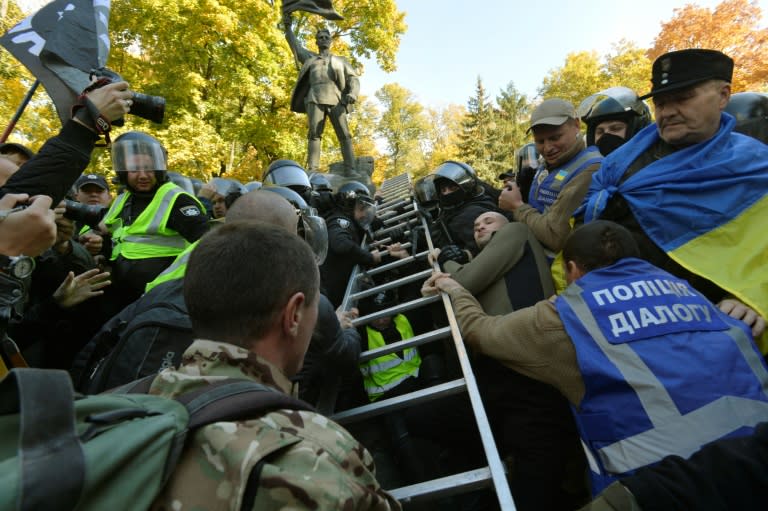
(691, 190)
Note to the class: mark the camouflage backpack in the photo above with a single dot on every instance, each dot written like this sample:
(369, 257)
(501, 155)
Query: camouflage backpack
(59, 451)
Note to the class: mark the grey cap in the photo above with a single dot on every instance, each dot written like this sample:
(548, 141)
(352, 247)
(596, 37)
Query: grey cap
(552, 112)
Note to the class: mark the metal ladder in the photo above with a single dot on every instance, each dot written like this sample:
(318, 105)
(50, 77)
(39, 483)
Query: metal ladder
(397, 195)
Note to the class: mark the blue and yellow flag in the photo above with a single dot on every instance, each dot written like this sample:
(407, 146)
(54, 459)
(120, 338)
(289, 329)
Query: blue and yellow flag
(704, 205)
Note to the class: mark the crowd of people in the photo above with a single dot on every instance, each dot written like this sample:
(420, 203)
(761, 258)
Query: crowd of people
(611, 291)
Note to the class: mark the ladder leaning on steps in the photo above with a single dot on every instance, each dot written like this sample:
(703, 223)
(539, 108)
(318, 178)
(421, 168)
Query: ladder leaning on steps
(397, 197)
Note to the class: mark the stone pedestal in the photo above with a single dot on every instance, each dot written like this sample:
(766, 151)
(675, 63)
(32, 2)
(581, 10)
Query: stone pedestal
(337, 174)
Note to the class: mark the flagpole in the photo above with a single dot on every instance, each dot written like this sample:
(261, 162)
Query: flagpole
(19, 111)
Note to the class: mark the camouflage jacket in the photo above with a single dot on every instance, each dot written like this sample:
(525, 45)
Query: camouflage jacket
(310, 461)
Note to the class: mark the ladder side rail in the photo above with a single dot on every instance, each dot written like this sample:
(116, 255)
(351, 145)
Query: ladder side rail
(503, 493)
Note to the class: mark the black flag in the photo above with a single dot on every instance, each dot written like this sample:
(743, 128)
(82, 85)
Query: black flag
(60, 44)
(321, 7)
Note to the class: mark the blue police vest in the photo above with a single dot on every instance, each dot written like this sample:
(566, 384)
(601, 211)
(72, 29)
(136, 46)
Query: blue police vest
(548, 183)
(665, 371)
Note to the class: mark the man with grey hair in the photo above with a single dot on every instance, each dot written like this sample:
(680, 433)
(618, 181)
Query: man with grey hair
(691, 191)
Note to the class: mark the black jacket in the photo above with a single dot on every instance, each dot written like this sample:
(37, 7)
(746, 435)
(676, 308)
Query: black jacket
(56, 167)
(333, 352)
(459, 222)
(344, 252)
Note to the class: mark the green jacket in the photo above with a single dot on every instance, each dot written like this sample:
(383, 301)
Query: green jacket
(310, 462)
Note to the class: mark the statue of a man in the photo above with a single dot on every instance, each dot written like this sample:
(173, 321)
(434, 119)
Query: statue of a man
(326, 87)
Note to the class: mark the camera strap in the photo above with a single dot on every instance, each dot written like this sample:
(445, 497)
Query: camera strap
(100, 123)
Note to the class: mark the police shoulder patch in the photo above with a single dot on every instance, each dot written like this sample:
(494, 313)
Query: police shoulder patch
(190, 211)
(343, 223)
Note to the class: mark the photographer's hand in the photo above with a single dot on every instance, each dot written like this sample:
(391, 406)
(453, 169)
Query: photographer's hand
(112, 101)
(28, 232)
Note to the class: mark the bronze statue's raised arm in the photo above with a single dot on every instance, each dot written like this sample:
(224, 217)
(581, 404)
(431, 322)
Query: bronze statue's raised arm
(299, 52)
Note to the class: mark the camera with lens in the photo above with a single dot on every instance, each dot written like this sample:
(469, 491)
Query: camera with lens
(87, 214)
(145, 106)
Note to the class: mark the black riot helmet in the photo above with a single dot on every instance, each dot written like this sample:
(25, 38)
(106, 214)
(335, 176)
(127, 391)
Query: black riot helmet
(458, 174)
(320, 182)
(528, 163)
(290, 174)
(425, 192)
(615, 103)
(322, 193)
(751, 112)
(134, 151)
(311, 227)
(354, 199)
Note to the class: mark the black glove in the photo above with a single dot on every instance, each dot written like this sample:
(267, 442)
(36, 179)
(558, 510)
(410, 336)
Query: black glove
(397, 234)
(452, 253)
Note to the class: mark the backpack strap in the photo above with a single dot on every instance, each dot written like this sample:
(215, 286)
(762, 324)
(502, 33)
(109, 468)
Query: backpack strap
(50, 451)
(234, 399)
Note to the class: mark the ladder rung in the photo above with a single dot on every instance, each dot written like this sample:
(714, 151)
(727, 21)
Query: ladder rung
(397, 309)
(398, 403)
(386, 241)
(386, 230)
(444, 486)
(399, 193)
(434, 335)
(403, 216)
(402, 245)
(388, 206)
(395, 264)
(393, 284)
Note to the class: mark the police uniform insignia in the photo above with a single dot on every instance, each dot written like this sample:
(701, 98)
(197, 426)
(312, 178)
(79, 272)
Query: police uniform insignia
(343, 223)
(541, 176)
(190, 211)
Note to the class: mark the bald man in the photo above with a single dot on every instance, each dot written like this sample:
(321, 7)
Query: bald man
(531, 420)
(332, 350)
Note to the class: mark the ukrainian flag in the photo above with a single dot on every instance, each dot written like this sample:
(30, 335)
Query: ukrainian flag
(704, 205)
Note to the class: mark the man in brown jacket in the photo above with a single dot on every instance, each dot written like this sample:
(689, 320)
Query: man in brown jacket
(561, 183)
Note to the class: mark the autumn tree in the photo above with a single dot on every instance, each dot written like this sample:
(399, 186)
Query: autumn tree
(580, 76)
(478, 136)
(732, 27)
(585, 73)
(442, 137)
(401, 126)
(512, 118)
(227, 74)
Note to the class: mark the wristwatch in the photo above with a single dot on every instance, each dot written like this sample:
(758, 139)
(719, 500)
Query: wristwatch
(19, 267)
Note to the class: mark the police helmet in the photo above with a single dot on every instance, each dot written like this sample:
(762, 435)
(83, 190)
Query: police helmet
(196, 184)
(311, 226)
(425, 192)
(319, 182)
(354, 199)
(290, 174)
(182, 182)
(134, 151)
(225, 186)
(252, 185)
(615, 103)
(461, 175)
(751, 112)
